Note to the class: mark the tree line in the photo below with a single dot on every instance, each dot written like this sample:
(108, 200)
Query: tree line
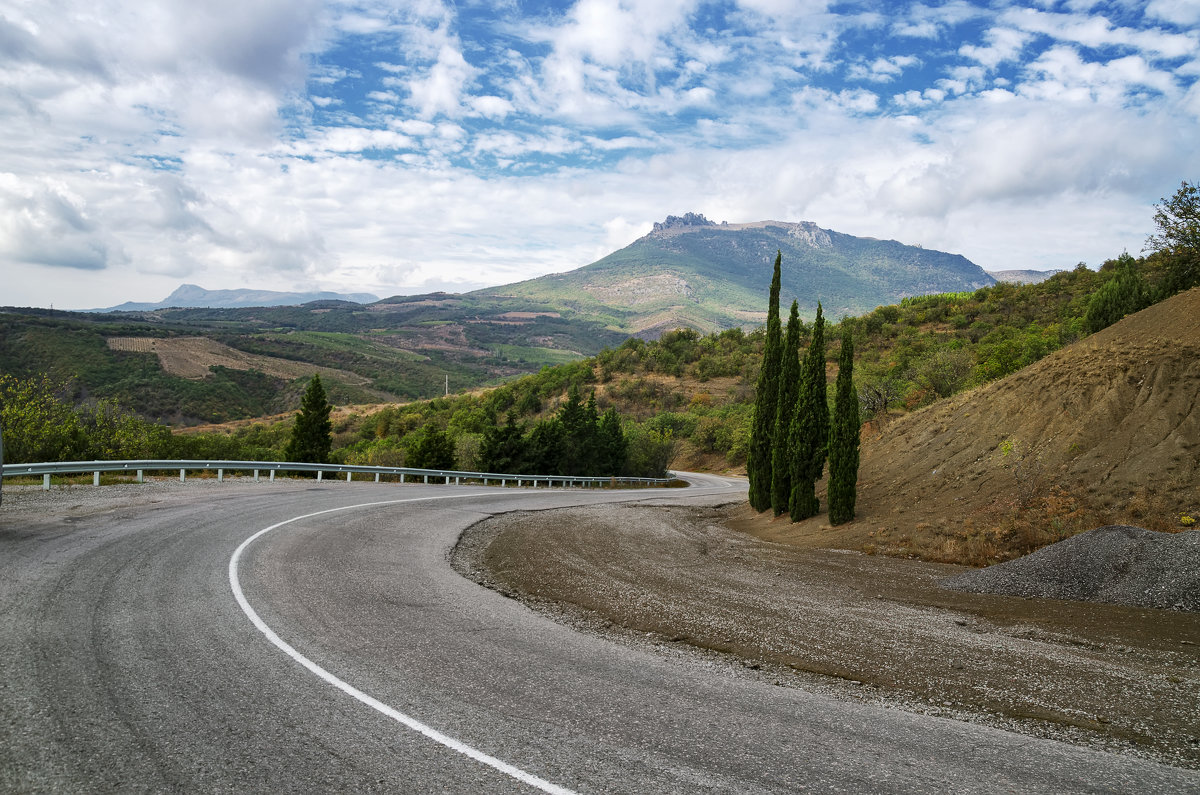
(792, 434)
(41, 424)
(576, 440)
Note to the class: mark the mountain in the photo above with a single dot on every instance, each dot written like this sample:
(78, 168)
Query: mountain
(191, 295)
(185, 361)
(1022, 276)
(690, 271)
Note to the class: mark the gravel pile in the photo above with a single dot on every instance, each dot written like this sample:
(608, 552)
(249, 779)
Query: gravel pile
(1118, 564)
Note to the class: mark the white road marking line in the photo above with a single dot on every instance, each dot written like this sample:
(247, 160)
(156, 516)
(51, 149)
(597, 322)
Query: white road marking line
(350, 690)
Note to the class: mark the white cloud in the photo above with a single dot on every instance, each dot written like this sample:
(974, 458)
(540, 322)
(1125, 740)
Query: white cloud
(440, 92)
(1097, 31)
(614, 32)
(1062, 75)
(883, 70)
(48, 224)
(491, 106)
(1184, 13)
(341, 140)
(1003, 44)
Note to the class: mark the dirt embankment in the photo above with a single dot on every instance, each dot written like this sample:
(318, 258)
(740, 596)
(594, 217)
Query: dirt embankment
(872, 628)
(1105, 431)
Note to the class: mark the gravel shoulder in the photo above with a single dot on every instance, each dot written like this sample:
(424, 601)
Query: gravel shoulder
(872, 629)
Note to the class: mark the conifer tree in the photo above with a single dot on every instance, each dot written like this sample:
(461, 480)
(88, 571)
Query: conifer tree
(434, 449)
(789, 386)
(844, 438)
(579, 422)
(544, 449)
(808, 437)
(503, 447)
(312, 437)
(762, 432)
(613, 445)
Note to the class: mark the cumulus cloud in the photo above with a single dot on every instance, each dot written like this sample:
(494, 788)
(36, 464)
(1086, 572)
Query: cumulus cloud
(1003, 44)
(440, 91)
(47, 224)
(492, 106)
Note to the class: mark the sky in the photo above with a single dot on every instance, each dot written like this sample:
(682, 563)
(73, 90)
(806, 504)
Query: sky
(407, 147)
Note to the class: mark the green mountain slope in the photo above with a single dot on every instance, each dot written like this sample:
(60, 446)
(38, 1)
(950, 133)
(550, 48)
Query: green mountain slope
(692, 272)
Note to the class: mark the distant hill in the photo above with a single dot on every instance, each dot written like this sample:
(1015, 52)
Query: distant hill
(692, 272)
(193, 364)
(1022, 276)
(193, 296)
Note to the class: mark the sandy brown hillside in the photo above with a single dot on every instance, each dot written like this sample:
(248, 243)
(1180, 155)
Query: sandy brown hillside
(1105, 430)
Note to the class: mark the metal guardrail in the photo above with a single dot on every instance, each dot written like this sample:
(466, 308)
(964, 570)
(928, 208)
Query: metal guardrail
(46, 470)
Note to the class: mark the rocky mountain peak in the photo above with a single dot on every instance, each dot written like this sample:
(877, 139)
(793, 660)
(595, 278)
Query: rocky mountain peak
(676, 222)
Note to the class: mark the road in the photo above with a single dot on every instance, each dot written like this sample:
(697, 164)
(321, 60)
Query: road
(149, 647)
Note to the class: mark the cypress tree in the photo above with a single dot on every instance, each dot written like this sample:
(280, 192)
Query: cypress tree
(312, 436)
(844, 438)
(808, 437)
(789, 386)
(762, 432)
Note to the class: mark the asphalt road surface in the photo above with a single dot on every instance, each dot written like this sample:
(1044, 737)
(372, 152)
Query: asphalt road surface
(168, 644)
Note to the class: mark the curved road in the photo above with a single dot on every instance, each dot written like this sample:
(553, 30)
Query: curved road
(151, 648)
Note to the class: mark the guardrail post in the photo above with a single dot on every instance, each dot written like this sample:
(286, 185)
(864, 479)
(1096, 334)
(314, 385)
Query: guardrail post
(426, 478)
(256, 476)
(182, 475)
(220, 475)
(46, 482)
(272, 475)
(140, 476)
(319, 473)
(348, 474)
(376, 477)
(96, 478)
(402, 477)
